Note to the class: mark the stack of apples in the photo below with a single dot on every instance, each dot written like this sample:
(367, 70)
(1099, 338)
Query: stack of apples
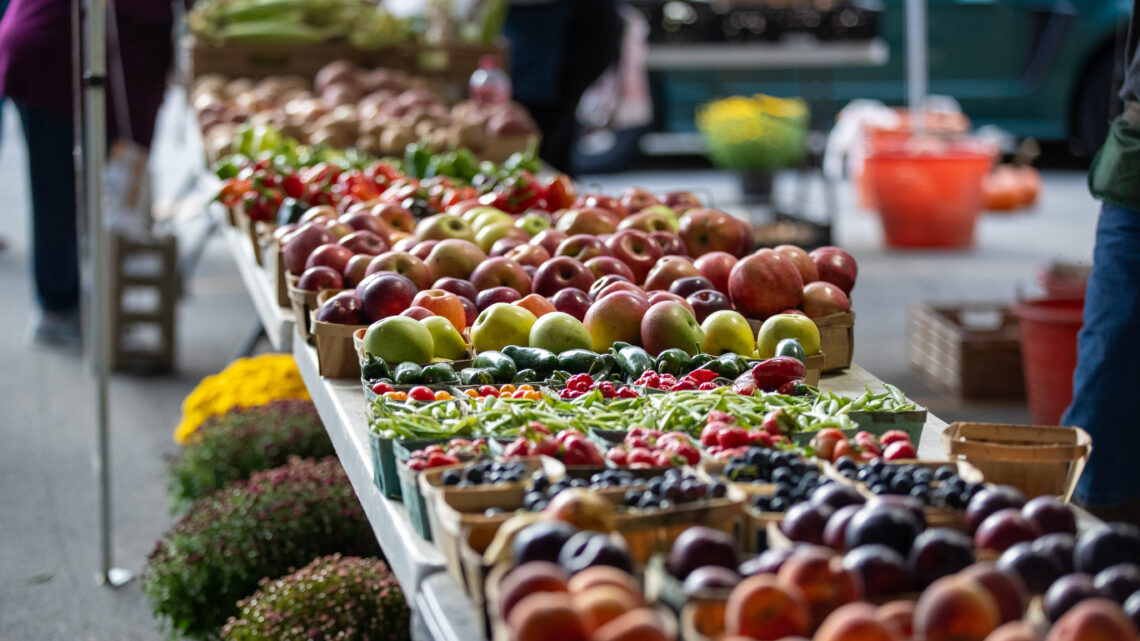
(659, 273)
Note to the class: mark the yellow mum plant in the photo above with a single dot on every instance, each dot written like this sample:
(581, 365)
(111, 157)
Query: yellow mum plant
(757, 132)
(246, 382)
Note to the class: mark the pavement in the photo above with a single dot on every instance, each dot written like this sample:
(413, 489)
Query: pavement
(49, 542)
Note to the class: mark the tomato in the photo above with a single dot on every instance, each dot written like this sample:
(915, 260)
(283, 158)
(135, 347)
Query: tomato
(894, 436)
(489, 390)
(440, 459)
(421, 393)
(640, 455)
(381, 388)
(843, 448)
(544, 447)
(518, 447)
(559, 192)
(900, 450)
(825, 442)
(732, 437)
(617, 456)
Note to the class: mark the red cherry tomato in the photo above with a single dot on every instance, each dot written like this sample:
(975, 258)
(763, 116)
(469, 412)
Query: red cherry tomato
(381, 388)
(421, 393)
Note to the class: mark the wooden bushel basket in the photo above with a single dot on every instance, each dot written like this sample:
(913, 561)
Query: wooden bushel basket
(1037, 459)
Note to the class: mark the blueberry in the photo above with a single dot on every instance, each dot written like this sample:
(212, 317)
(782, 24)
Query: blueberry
(880, 488)
(492, 511)
(717, 489)
(451, 477)
(782, 475)
(578, 483)
(761, 502)
(901, 484)
(778, 504)
(649, 499)
(531, 498)
(944, 473)
(474, 474)
(538, 507)
(632, 497)
(920, 492)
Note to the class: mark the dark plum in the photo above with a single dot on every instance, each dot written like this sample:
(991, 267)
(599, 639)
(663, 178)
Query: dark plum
(1107, 545)
(1066, 592)
(1059, 547)
(541, 541)
(990, 500)
(701, 546)
(889, 525)
(1051, 515)
(1004, 528)
(768, 562)
(1118, 582)
(804, 522)
(710, 577)
(1036, 568)
(835, 532)
(836, 495)
(587, 549)
(937, 553)
(882, 569)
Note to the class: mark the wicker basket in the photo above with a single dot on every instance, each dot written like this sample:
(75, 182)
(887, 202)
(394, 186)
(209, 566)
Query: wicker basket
(1037, 459)
(971, 351)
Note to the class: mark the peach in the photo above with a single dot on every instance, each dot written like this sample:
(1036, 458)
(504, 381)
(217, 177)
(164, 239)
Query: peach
(546, 616)
(955, 608)
(819, 573)
(1006, 587)
(853, 622)
(898, 618)
(443, 303)
(641, 624)
(603, 603)
(707, 616)
(766, 609)
(604, 575)
(1094, 620)
(536, 304)
(527, 579)
(1014, 631)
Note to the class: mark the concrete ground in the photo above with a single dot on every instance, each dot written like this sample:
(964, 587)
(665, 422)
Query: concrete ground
(48, 511)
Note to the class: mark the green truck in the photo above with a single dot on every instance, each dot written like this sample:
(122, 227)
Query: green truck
(1040, 68)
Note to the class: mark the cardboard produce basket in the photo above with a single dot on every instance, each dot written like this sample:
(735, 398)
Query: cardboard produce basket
(1037, 459)
(836, 343)
(304, 304)
(255, 61)
(971, 350)
(336, 357)
(946, 517)
(278, 275)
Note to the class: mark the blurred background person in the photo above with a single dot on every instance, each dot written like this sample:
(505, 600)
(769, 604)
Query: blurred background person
(36, 73)
(560, 48)
(1110, 338)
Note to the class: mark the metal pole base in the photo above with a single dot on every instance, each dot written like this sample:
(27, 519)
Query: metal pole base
(115, 577)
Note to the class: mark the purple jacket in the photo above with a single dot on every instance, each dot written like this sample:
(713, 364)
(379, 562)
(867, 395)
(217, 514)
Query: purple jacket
(36, 66)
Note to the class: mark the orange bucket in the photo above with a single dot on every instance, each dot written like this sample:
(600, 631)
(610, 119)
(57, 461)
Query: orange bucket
(1049, 329)
(929, 195)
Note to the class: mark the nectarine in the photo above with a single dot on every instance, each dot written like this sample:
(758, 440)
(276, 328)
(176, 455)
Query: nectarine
(527, 579)
(604, 575)
(547, 617)
(641, 624)
(1014, 631)
(819, 573)
(954, 608)
(1094, 620)
(898, 618)
(601, 604)
(765, 609)
(853, 622)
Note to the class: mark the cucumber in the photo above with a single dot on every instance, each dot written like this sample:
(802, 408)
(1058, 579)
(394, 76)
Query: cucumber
(407, 374)
(791, 347)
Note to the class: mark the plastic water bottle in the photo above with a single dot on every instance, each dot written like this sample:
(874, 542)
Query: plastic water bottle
(490, 85)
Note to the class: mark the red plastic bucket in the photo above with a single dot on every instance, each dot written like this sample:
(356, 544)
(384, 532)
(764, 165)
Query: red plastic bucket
(929, 197)
(1049, 330)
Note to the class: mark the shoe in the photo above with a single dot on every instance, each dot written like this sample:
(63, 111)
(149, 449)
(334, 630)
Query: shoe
(58, 329)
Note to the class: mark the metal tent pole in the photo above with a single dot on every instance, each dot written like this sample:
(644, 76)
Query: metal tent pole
(916, 71)
(94, 80)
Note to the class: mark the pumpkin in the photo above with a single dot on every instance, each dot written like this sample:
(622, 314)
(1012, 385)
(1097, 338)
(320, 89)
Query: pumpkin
(1007, 187)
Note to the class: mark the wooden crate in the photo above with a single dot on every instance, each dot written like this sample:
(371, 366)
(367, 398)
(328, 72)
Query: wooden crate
(142, 335)
(1037, 459)
(972, 351)
(255, 61)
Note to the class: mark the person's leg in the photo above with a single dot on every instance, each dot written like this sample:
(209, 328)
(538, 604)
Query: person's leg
(55, 245)
(1104, 382)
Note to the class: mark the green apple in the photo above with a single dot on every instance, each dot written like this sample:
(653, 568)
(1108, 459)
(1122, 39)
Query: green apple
(532, 223)
(443, 226)
(665, 213)
(728, 331)
(492, 217)
(782, 326)
(470, 215)
(400, 339)
(500, 325)
(669, 324)
(487, 235)
(448, 342)
(559, 332)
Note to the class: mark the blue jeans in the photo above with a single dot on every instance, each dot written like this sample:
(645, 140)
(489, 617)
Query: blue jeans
(1107, 381)
(55, 243)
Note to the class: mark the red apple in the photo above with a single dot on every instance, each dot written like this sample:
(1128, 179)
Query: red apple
(615, 317)
(320, 277)
(284, 230)
(636, 249)
(583, 247)
(608, 265)
(331, 255)
(422, 249)
(590, 220)
(406, 244)
(355, 269)
(765, 283)
(668, 325)
(670, 243)
(318, 213)
(338, 229)
(716, 266)
(549, 239)
(499, 271)
(606, 280)
(560, 272)
(462, 207)
(364, 242)
(601, 201)
(503, 246)
(527, 254)
(344, 308)
(362, 220)
(501, 294)
(836, 266)
(801, 260)
(456, 286)
(298, 244)
(469, 310)
(621, 286)
(634, 199)
(418, 313)
(822, 298)
(572, 301)
(454, 257)
(709, 230)
(385, 294)
(685, 286)
(397, 218)
(681, 201)
(668, 270)
(660, 295)
(707, 301)
(401, 263)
